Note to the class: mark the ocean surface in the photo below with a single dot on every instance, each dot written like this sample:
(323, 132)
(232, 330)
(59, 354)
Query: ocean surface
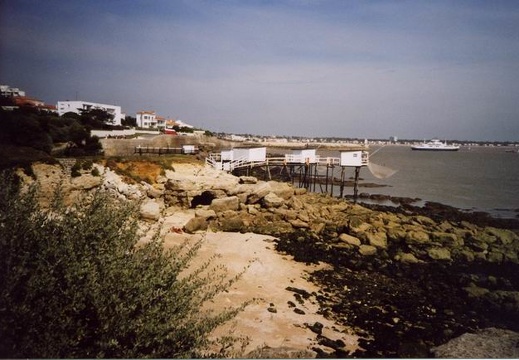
(472, 179)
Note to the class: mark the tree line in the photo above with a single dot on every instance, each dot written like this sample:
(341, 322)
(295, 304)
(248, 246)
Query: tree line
(32, 128)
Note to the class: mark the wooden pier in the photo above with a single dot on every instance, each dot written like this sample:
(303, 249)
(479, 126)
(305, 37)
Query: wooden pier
(315, 173)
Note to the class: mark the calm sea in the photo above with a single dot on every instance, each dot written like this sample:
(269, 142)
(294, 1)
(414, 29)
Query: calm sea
(473, 179)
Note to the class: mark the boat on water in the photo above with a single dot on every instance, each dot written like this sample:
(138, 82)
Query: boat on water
(435, 145)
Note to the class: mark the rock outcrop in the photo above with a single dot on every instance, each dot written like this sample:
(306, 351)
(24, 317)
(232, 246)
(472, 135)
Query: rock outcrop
(223, 202)
(275, 208)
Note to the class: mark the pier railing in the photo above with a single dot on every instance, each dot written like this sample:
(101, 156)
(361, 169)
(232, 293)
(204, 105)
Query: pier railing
(163, 150)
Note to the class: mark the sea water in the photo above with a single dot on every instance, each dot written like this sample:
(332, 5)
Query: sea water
(473, 179)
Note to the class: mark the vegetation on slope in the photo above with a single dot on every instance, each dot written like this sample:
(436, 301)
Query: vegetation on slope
(75, 283)
(26, 134)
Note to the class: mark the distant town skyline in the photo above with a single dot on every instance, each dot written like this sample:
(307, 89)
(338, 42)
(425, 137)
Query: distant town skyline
(323, 68)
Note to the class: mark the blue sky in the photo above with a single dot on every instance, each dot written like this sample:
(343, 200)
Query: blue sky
(375, 69)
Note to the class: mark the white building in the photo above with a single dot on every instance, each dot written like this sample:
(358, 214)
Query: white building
(6, 90)
(78, 106)
(146, 119)
(180, 123)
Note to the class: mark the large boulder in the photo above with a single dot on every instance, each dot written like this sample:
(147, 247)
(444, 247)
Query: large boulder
(86, 182)
(396, 234)
(205, 213)
(195, 224)
(417, 237)
(299, 224)
(358, 225)
(351, 240)
(485, 237)
(407, 258)
(177, 193)
(113, 182)
(271, 200)
(483, 344)
(448, 239)
(232, 224)
(154, 192)
(424, 220)
(505, 236)
(377, 239)
(150, 210)
(439, 253)
(495, 256)
(259, 193)
(367, 250)
(225, 204)
(248, 180)
(282, 189)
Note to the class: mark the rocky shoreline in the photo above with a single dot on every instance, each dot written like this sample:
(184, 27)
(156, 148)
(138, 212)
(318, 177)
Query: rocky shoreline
(406, 279)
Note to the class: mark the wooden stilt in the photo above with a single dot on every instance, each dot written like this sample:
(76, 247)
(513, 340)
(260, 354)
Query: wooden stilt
(326, 180)
(331, 187)
(342, 181)
(356, 184)
(315, 175)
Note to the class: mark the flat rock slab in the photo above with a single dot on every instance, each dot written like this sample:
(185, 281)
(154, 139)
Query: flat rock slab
(488, 343)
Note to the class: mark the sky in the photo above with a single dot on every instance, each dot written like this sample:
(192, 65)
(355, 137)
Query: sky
(326, 68)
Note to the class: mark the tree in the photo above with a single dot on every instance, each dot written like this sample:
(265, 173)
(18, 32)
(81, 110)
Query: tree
(71, 115)
(75, 283)
(6, 101)
(129, 121)
(96, 118)
(23, 128)
(78, 134)
(92, 145)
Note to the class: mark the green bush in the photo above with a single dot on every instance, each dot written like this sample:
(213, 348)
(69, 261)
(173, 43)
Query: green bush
(75, 170)
(74, 283)
(87, 164)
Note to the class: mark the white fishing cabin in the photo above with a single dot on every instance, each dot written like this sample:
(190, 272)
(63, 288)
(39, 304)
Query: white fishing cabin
(257, 154)
(302, 156)
(238, 157)
(354, 158)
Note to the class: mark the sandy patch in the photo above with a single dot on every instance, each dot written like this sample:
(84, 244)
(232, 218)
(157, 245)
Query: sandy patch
(266, 280)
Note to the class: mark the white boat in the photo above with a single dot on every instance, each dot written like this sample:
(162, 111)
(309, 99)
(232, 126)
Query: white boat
(435, 145)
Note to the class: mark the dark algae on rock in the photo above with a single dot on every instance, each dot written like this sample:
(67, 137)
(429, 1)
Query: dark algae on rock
(404, 309)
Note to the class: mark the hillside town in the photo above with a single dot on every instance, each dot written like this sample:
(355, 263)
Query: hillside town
(146, 119)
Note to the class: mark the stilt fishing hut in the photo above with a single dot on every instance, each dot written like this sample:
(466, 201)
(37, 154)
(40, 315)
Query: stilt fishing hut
(302, 165)
(232, 159)
(356, 159)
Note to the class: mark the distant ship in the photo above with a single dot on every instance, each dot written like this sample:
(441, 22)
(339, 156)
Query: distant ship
(435, 145)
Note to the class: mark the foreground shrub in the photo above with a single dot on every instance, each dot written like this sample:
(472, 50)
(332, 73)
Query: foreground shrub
(75, 283)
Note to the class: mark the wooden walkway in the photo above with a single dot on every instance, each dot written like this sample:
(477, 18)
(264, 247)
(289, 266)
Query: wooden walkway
(163, 150)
